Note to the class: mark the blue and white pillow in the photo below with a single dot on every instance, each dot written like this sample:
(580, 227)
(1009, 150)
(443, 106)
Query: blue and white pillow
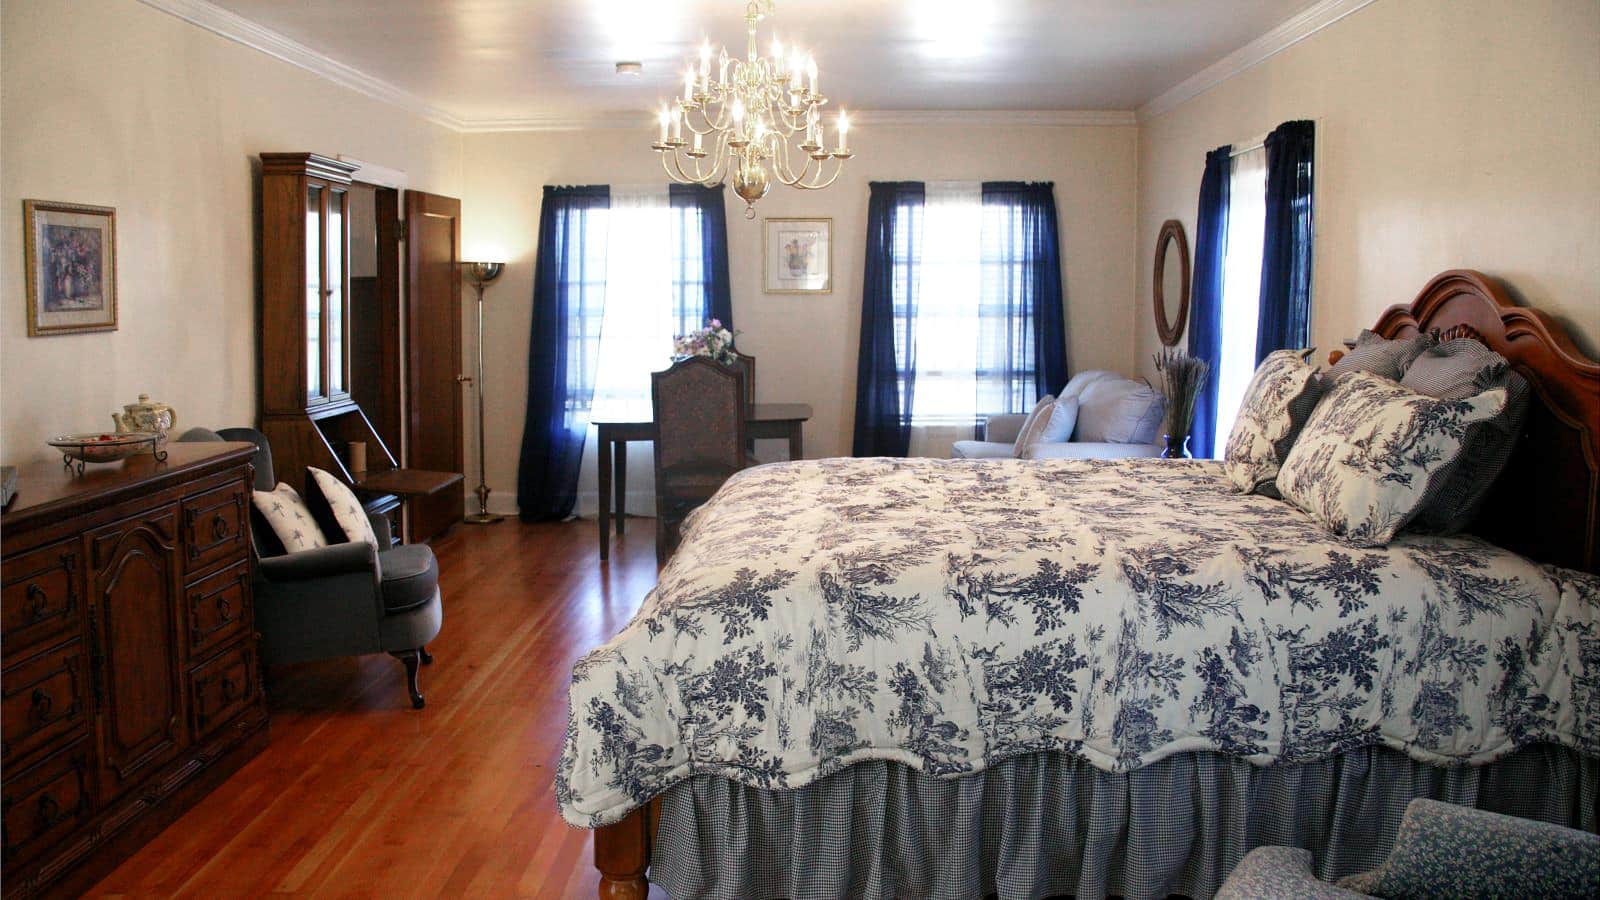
(1276, 405)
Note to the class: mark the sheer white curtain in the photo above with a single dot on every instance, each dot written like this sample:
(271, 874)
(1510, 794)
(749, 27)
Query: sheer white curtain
(947, 329)
(1241, 286)
(635, 335)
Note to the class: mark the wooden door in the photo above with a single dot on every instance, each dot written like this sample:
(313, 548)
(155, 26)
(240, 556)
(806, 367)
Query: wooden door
(433, 357)
(134, 591)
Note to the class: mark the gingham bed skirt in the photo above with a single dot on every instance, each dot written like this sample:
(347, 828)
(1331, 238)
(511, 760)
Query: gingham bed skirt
(1052, 825)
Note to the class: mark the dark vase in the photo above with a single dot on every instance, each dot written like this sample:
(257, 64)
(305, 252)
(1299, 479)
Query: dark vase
(1177, 447)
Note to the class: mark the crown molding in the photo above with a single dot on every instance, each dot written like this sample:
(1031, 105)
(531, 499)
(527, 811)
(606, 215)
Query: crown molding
(1052, 118)
(237, 28)
(1308, 22)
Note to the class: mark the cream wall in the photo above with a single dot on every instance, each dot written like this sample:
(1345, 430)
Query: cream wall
(112, 103)
(1450, 133)
(805, 345)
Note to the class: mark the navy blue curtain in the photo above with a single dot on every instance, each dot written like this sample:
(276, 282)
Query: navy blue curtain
(1285, 317)
(707, 204)
(886, 366)
(569, 286)
(1020, 221)
(1205, 298)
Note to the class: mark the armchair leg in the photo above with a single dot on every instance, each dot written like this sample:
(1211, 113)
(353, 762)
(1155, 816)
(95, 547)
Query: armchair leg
(412, 660)
(427, 658)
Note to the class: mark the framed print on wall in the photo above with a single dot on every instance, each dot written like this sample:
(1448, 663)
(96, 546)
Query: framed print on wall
(71, 267)
(797, 256)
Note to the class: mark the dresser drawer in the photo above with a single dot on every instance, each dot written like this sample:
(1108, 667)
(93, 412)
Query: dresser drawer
(217, 608)
(41, 598)
(45, 802)
(216, 527)
(44, 699)
(222, 688)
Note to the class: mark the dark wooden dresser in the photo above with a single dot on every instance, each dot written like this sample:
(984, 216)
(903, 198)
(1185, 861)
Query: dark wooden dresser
(128, 656)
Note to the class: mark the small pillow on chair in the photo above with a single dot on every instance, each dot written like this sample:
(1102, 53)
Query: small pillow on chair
(1050, 422)
(286, 514)
(343, 505)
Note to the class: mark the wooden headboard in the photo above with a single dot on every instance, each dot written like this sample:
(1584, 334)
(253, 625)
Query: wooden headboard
(1546, 504)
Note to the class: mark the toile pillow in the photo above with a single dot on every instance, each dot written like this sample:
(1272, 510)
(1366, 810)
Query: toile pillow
(1381, 356)
(342, 504)
(1364, 463)
(291, 522)
(1276, 405)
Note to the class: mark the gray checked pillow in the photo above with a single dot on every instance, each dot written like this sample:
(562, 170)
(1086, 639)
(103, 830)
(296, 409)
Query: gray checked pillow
(1276, 405)
(1455, 370)
(1366, 460)
(286, 514)
(345, 507)
(1381, 356)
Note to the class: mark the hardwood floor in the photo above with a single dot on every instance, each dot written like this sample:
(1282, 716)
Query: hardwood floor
(358, 795)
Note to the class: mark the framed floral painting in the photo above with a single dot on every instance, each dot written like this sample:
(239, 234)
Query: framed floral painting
(797, 256)
(71, 267)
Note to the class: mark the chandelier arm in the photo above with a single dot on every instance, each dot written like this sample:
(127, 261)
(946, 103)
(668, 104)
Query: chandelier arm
(785, 171)
(817, 186)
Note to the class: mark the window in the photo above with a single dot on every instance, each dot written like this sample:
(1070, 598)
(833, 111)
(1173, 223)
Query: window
(1241, 280)
(965, 261)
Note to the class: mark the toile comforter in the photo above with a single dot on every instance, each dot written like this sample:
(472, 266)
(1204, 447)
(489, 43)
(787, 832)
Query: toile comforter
(947, 614)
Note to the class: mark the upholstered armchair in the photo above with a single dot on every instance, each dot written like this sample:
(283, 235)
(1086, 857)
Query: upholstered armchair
(1441, 850)
(345, 599)
(1117, 417)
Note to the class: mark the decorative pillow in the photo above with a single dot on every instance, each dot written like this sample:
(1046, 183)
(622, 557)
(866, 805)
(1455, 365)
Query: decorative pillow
(1055, 427)
(1455, 370)
(286, 514)
(1119, 411)
(1381, 356)
(1276, 405)
(345, 507)
(1365, 461)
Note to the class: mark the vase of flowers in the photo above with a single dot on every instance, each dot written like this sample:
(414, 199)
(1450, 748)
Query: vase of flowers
(714, 340)
(1182, 379)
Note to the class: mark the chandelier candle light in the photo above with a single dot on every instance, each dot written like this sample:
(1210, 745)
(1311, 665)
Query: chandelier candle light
(746, 117)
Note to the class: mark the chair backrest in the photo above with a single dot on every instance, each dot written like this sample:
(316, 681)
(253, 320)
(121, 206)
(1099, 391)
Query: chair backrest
(266, 479)
(747, 364)
(699, 415)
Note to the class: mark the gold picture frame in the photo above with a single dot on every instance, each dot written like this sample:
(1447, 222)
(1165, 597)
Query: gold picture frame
(70, 266)
(797, 256)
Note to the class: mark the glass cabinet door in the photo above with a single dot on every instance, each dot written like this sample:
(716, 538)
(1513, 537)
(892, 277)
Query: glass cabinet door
(338, 366)
(314, 294)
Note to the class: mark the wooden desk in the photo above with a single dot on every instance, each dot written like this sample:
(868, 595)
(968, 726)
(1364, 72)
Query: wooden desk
(783, 421)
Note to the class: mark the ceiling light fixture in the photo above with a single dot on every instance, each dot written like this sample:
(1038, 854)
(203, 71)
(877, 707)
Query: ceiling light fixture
(748, 114)
(630, 68)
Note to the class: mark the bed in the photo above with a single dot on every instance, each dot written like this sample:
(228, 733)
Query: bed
(956, 678)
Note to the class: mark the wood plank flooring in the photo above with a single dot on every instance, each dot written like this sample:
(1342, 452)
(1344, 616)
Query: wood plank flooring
(358, 795)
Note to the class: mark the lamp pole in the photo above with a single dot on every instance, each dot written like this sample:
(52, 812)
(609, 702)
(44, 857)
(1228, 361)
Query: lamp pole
(480, 274)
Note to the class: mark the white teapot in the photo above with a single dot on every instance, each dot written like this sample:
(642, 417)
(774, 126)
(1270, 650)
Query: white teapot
(144, 415)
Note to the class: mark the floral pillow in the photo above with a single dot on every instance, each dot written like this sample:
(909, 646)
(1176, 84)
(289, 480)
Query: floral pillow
(1364, 463)
(1276, 405)
(286, 514)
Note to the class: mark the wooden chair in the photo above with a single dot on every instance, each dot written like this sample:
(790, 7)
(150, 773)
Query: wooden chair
(747, 363)
(700, 439)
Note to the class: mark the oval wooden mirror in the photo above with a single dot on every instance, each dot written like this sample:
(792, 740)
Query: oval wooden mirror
(1171, 283)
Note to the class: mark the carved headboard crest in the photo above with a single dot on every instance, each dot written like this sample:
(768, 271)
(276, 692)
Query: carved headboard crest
(1546, 505)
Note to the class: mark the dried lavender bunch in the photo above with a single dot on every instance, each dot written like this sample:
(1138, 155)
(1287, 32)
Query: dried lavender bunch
(1182, 379)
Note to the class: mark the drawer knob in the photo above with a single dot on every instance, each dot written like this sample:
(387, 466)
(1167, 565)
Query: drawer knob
(228, 689)
(43, 703)
(50, 812)
(224, 610)
(219, 527)
(38, 603)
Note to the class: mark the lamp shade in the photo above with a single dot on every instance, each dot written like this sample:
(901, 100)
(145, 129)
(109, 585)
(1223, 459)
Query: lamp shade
(482, 272)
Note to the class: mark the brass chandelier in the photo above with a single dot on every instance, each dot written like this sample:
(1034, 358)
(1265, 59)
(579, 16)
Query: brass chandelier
(741, 123)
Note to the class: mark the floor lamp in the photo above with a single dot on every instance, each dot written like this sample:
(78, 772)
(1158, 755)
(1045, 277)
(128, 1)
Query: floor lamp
(480, 274)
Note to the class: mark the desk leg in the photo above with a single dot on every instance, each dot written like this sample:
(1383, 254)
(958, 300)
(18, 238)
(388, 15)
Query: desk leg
(620, 448)
(603, 471)
(796, 451)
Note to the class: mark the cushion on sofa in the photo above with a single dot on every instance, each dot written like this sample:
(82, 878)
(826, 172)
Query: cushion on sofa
(1076, 385)
(288, 518)
(1053, 425)
(410, 576)
(337, 509)
(983, 450)
(1119, 411)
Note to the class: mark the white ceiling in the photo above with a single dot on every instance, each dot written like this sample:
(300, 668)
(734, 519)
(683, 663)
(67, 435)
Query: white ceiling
(487, 60)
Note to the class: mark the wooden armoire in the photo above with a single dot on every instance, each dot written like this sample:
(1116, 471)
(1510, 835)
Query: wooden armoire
(309, 411)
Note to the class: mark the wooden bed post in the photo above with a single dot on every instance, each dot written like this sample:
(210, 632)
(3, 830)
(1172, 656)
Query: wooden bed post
(622, 853)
